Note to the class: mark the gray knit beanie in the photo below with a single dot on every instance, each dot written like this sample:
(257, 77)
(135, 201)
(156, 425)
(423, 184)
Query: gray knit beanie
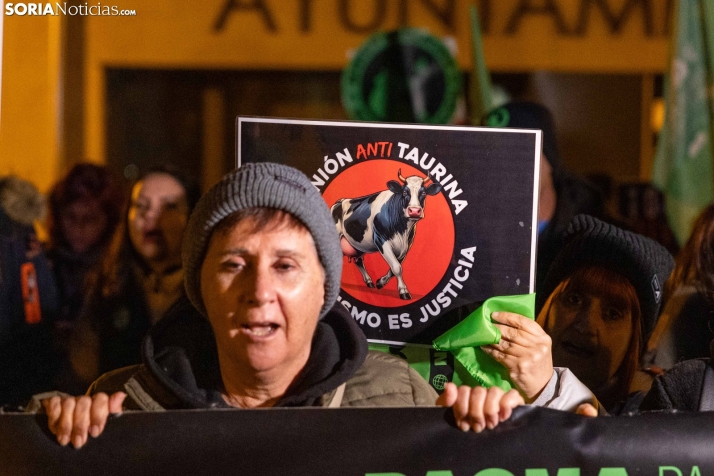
(590, 242)
(262, 185)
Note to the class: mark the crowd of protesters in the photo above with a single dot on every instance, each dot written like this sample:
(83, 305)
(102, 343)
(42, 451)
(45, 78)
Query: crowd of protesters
(613, 305)
(111, 268)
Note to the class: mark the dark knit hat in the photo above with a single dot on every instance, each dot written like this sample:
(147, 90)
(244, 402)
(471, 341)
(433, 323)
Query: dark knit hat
(262, 185)
(528, 115)
(590, 242)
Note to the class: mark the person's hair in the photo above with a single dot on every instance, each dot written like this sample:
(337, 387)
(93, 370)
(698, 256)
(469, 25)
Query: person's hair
(695, 262)
(112, 270)
(86, 182)
(262, 218)
(193, 192)
(605, 282)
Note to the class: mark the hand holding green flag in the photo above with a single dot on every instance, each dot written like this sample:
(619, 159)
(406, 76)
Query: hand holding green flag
(465, 339)
(472, 366)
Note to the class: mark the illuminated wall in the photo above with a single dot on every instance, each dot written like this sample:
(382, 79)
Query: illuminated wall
(573, 36)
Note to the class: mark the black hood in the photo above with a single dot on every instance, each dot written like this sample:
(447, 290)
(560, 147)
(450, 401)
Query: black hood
(180, 356)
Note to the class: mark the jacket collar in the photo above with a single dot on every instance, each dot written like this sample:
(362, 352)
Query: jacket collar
(180, 359)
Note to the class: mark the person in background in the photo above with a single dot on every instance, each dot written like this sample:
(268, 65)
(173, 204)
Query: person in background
(84, 210)
(600, 302)
(562, 193)
(29, 300)
(138, 279)
(686, 326)
(652, 221)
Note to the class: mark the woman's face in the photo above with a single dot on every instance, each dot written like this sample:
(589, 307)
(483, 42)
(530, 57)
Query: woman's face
(263, 292)
(83, 224)
(157, 218)
(591, 333)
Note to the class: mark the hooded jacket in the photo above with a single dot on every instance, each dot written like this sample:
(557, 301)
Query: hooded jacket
(180, 369)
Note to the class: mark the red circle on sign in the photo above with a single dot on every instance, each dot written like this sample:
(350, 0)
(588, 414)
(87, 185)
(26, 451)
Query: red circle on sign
(430, 254)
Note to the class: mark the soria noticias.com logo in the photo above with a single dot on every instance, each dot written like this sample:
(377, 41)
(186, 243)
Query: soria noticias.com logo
(54, 9)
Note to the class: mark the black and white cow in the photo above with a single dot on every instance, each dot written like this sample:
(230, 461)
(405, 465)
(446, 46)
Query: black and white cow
(386, 222)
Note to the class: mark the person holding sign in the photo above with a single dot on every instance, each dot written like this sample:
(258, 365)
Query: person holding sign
(262, 267)
(601, 301)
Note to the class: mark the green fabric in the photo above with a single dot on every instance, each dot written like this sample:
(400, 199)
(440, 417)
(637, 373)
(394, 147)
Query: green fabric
(472, 366)
(481, 100)
(683, 161)
(465, 339)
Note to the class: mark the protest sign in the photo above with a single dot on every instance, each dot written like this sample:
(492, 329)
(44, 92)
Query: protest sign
(366, 441)
(433, 220)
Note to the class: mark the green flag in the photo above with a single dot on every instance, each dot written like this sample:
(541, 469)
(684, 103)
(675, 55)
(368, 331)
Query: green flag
(480, 87)
(471, 365)
(465, 339)
(683, 162)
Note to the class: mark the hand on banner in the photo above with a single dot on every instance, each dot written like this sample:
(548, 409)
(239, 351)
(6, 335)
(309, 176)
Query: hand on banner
(525, 350)
(71, 419)
(586, 409)
(479, 407)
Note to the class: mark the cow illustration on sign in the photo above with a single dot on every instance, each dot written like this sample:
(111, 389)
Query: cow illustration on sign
(386, 222)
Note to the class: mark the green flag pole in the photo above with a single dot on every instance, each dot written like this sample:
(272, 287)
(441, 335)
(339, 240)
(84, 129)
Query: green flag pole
(683, 160)
(480, 87)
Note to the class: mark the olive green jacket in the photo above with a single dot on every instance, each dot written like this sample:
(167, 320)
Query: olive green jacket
(382, 381)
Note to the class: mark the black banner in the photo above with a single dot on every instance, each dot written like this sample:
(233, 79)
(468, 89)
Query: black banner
(384, 442)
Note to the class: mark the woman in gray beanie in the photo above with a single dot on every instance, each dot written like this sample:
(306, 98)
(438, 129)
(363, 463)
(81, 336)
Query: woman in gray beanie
(262, 272)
